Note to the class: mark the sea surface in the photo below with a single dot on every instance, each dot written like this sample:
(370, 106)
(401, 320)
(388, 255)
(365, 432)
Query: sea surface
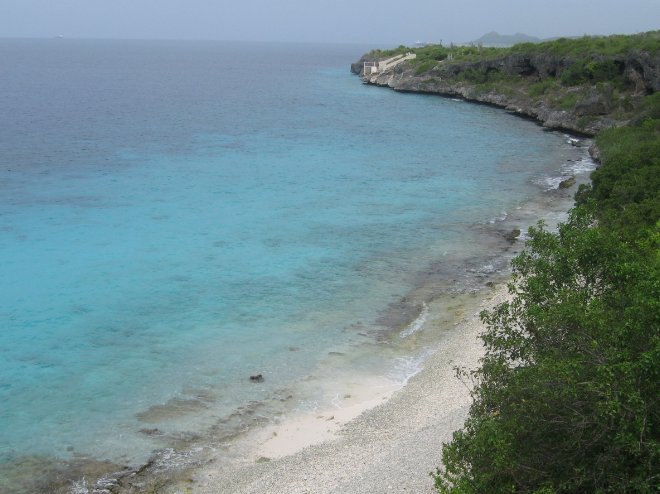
(176, 217)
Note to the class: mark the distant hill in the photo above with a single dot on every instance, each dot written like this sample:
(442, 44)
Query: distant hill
(496, 39)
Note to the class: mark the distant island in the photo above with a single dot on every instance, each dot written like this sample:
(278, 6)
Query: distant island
(495, 39)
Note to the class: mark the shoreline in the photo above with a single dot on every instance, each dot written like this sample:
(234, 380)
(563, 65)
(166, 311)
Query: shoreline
(368, 417)
(377, 428)
(370, 412)
(391, 442)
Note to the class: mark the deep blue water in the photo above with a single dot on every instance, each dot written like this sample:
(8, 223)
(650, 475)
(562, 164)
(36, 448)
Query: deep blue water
(175, 216)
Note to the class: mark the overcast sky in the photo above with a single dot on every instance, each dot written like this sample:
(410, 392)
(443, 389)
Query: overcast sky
(352, 21)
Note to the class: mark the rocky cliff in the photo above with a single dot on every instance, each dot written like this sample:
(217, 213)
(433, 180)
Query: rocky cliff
(540, 85)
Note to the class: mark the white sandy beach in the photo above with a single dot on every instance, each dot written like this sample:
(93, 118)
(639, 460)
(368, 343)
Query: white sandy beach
(389, 442)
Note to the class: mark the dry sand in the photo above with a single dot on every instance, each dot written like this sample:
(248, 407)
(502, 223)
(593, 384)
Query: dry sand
(389, 442)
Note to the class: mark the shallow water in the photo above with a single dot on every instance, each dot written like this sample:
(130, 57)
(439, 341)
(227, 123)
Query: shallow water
(178, 216)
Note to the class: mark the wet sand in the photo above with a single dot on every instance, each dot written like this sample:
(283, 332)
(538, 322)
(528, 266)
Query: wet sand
(388, 443)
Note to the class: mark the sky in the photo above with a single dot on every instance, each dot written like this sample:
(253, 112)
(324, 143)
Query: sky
(349, 21)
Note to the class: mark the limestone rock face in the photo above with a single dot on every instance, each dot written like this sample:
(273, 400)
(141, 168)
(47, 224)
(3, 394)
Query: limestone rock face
(643, 68)
(596, 103)
(358, 67)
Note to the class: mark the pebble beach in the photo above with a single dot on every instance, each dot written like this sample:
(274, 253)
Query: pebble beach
(388, 444)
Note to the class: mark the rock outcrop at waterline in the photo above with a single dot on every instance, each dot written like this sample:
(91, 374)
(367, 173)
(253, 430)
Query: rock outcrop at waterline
(581, 108)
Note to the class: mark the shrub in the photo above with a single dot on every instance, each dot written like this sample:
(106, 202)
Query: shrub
(574, 75)
(541, 87)
(567, 396)
(425, 67)
(568, 101)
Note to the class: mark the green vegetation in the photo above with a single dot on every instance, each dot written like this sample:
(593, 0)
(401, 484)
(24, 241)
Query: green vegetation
(568, 101)
(544, 74)
(567, 397)
(584, 121)
(566, 400)
(592, 72)
(540, 88)
(584, 49)
(424, 67)
(626, 190)
(433, 54)
(588, 47)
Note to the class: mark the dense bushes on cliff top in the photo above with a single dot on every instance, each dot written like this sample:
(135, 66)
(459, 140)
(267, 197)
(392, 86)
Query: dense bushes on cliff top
(626, 188)
(593, 46)
(577, 49)
(567, 396)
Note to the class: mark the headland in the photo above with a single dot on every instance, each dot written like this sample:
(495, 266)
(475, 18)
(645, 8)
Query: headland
(579, 85)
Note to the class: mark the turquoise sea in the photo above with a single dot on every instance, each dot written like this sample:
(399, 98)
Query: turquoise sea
(178, 216)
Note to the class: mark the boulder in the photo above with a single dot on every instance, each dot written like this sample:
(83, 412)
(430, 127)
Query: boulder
(597, 102)
(567, 183)
(513, 235)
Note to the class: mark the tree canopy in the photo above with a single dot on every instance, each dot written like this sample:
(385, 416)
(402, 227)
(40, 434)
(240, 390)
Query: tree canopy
(566, 398)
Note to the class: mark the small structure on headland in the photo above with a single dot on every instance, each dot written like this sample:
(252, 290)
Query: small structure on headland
(371, 68)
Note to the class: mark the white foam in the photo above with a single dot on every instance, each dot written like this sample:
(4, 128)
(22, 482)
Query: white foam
(488, 269)
(408, 367)
(418, 323)
(413, 367)
(585, 165)
(550, 183)
(79, 487)
(501, 217)
(568, 170)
